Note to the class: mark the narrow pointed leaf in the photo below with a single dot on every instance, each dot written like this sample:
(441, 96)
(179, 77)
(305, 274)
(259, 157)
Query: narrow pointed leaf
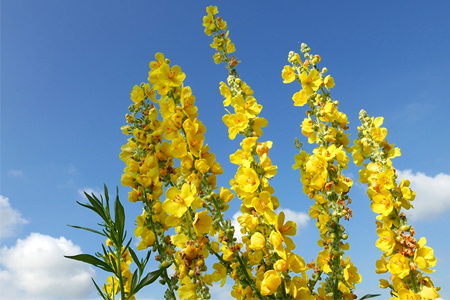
(88, 229)
(149, 279)
(89, 259)
(370, 296)
(100, 292)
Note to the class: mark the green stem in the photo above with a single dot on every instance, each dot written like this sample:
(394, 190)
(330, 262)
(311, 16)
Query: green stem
(163, 254)
(413, 281)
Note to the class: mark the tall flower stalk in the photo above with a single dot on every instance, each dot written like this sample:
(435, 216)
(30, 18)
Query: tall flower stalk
(404, 257)
(322, 171)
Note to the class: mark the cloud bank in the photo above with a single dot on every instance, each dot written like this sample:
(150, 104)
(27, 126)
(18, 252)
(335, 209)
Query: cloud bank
(11, 220)
(35, 269)
(432, 194)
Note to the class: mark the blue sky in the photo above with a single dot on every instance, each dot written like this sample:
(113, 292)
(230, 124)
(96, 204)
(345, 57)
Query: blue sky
(67, 68)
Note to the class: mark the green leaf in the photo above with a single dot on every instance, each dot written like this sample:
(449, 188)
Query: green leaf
(119, 218)
(149, 279)
(370, 296)
(136, 261)
(133, 282)
(89, 259)
(88, 229)
(100, 292)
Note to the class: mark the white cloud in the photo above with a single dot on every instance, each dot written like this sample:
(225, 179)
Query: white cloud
(15, 173)
(300, 218)
(432, 194)
(36, 269)
(10, 219)
(221, 293)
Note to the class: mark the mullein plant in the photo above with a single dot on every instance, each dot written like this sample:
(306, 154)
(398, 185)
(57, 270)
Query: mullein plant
(322, 172)
(268, 258)
(404, 257)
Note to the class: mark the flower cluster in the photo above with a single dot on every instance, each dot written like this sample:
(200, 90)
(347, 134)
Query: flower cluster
(321, 171)
(191, 206)
(406, 258)
(268, 254)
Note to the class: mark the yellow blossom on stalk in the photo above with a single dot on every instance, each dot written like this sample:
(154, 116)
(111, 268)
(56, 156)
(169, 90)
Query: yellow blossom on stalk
(310, 82)
(286, 229)
(424, 256)
(257, 124)
(296, 263)
(398, 265)
(177, 203)
(154, 68)
(328, 82)
(382, 202)
(300, 98)
(381, 265)
(428, 293)
(323, 261)
(247, 179)
(235, 123)
(406, 294)
(172, 77)
(220, 273)
(187, 289)
(257, 241)
(249, 106)
(386, 242)
(276, 239)
(264, 206)
(270, 283)
(351, 274)
(112, 287)
(288, 74)
(137, 95)
(202, 222)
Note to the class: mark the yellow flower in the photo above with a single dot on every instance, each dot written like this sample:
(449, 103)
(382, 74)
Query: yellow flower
(212, 10)
(386, 242)
(383, 202)
(276, 239)
(270, 283)
(264, 206)
(178, 148)
(288, 228)
(288, 74)
(154, 68)
(137, 95)
(111, 288)
(424, 256)
(428, 293)
(247, 179)
(300, 98)
(177, 203)
(172, 77)
(202, 222)
(187, 290)
(257, 241)
(310, 82)
(220, 273)
(328, 82)
(323, 261)
(406, 294)
(398, 265)
(381, 265)
(235, 123)
(296, 263)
